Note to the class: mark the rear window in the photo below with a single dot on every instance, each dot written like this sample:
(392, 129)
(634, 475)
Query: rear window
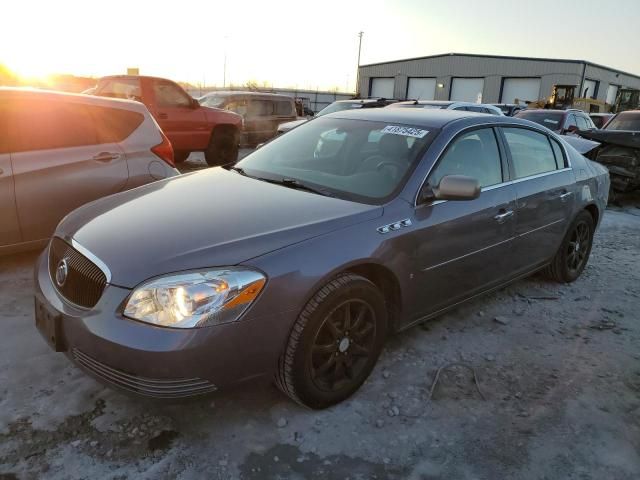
(551, 120)
(531, 152)
(47, 125)
(624, 121)
(127, 88)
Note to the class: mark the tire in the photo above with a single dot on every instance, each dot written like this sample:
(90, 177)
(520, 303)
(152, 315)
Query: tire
(223, 148)
(573, 254)
(324, 363)
(180, 156)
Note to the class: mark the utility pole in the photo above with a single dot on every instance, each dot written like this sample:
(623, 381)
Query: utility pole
(358, 71)
(224, 66)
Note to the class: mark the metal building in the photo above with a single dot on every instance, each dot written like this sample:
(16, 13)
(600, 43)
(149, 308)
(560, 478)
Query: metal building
(491, 78)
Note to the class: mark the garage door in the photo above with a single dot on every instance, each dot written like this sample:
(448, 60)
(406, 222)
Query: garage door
(382, 87)
(612, 92)
(466, 89)
(521, 89)
(421, 88)
(589, 88)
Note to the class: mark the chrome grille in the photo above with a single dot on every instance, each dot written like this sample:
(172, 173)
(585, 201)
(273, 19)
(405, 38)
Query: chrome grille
(149, 387)
(84, 282)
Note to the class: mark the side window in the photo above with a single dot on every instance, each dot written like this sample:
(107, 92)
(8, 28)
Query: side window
(114, 124)
(170, 95)
(260, 108)
(531, 152)
(582, 123)
(557, 152)
(571, 121)
(283, 107)
(39, 125)
(474, 154)
(237, 106)
(128, 88)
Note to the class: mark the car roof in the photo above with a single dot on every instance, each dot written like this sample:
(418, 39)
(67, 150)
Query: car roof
(408, 116)
(428, 102)
(43, 95)
(231, 93)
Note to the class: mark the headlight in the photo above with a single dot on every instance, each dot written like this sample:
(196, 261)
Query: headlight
(195, 299)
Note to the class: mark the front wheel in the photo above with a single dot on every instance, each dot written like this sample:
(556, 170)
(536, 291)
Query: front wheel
(223, 147)
(335, 343)
(572, 256)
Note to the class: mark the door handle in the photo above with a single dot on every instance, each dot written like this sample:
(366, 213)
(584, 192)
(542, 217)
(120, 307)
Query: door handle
(502, 217)
(1, 171)
(106, 157)
(163, 116)
(565, 196)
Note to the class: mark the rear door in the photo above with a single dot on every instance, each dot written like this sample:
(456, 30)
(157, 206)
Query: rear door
(9, 227)
(259, 122)
(545, 192)
(184, 123)
(465, 247)
(60, 162)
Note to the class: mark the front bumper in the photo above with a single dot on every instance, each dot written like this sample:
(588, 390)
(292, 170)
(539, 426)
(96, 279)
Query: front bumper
(155, 361)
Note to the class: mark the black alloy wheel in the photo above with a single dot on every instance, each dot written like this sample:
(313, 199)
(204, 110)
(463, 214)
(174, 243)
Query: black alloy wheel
(334, 343)
(343, 345)
(572, 256)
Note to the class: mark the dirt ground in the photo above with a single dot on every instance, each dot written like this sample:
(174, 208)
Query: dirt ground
(558, 367)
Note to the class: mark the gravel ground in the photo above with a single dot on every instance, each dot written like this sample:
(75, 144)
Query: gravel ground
(558, 367)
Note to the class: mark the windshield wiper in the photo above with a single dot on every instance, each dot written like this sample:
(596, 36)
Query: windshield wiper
(287, 182)
(298, 185)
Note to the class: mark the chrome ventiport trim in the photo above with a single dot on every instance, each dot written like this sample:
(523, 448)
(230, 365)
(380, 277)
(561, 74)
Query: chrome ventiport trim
(392, 227)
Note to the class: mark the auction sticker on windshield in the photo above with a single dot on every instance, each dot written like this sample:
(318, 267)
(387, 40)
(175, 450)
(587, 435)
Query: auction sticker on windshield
(405, 131)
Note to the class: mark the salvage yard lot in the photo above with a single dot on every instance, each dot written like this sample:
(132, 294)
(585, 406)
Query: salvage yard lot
(558, 366)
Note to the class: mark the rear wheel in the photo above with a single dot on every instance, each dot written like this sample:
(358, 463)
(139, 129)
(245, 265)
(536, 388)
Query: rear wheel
(334, 343)
(223, 147)
(573, 254)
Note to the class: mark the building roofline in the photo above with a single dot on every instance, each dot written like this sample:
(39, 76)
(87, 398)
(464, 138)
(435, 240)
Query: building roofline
(504, 57)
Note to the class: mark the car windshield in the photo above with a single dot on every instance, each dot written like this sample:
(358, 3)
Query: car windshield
(338, 107)
(550, 120)
(212, 100)
(625, 121)
(355, 160)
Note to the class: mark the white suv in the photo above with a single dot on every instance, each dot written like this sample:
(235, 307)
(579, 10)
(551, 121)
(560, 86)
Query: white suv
(59, 151)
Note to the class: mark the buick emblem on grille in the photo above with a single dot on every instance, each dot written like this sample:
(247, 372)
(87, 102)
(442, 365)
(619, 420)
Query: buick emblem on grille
(62, 271)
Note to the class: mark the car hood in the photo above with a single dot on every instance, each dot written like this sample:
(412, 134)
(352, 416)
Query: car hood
(582, 145)
(206, 219)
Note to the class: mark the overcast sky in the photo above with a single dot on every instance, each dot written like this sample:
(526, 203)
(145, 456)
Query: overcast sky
(303, 43)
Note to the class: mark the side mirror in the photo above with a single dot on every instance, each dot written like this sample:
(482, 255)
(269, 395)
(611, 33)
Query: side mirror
(572, 129)
(195, 104)
(452, 187)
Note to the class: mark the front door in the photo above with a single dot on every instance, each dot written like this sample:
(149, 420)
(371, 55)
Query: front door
(181, 119)
(464, 247)
(545, 191)
(59, 163)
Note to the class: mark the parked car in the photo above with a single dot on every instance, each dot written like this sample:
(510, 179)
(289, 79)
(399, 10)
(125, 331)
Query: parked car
(600, 119)
(59, 151)
(510, 109)
(617, 147)
(408, 214)
(338, 106)
(560, 121)
(189, 126)
(262, 112)
(449, 105)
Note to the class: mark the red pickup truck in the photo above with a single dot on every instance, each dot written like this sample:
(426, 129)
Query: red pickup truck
(189, 126)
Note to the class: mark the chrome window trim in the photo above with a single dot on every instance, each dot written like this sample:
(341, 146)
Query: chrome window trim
(509, 182)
